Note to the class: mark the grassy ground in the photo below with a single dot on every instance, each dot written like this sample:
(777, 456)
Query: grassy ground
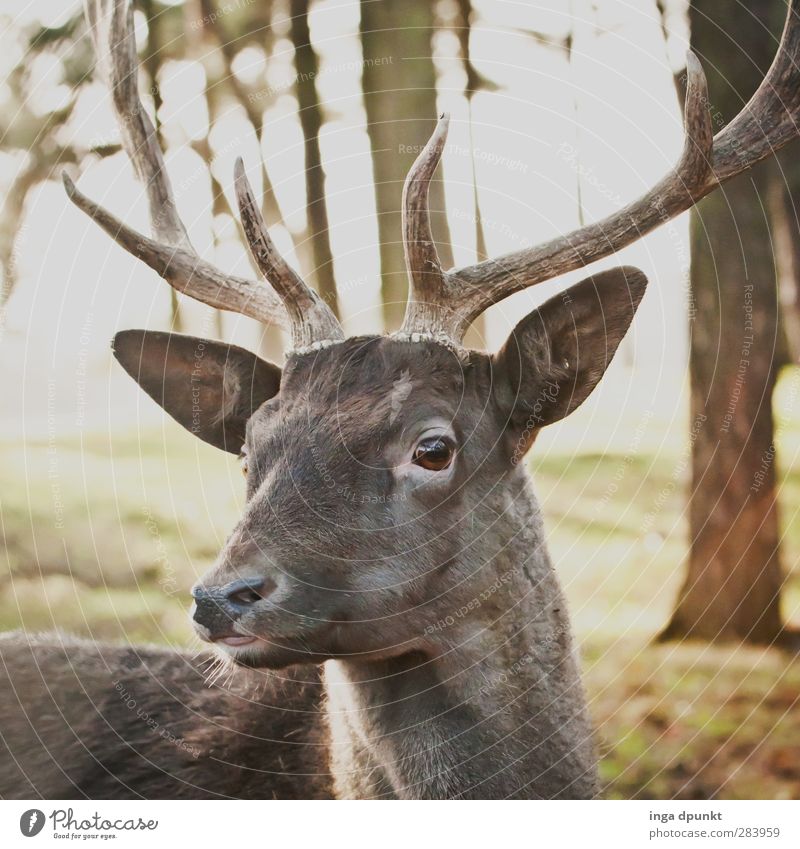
(677, 720)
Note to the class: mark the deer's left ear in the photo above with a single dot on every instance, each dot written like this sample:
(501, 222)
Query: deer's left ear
(209, 387)
(556, 355)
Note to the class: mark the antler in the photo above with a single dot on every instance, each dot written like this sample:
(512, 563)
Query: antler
(447, 302)
(313, 321)
(169, 252)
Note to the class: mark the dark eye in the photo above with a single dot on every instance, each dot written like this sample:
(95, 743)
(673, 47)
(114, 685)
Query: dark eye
(243, 460)
(434, 453)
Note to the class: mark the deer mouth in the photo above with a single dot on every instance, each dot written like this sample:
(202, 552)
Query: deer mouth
(231, 638)
(260, 654)
(276, 651)
(236, 641)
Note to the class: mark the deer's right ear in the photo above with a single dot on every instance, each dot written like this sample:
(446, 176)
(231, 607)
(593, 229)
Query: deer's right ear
(209, 387)
(556, 355)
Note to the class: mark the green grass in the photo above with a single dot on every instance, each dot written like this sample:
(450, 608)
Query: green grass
(103, 537)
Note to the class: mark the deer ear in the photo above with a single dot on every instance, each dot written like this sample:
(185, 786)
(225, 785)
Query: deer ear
(209, 387)
(556, 355)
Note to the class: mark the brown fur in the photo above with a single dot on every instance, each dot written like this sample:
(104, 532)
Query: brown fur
(105, 722)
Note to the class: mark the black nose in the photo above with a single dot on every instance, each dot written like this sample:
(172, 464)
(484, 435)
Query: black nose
(218, 608)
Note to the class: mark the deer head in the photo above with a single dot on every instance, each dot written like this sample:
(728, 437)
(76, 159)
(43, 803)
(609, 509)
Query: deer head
(383, 472)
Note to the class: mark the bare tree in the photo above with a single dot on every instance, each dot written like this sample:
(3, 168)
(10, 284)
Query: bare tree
(399, 85)
(307, 67)
(784, 209)
(253, 103)
(733, 582)
(253, 26)
(24, 131)
(152, 65)
(474, 82)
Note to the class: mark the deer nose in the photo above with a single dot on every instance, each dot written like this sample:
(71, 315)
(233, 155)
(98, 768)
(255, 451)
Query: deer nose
(218, 608)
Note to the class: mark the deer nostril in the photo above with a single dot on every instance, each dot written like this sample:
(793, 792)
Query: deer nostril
(247, 591)
(247, 596)
(198, 592)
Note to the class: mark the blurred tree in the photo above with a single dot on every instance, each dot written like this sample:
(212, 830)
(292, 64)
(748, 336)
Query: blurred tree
(784, 210)
(475, 82)
(399, 85)
(306, 65)
(197, 30)
(253, 27)
(566, 46)
(31, 134)
(153, 57)
(212, 45)
(732, 588)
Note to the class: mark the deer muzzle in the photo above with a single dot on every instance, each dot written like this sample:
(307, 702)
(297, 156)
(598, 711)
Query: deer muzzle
(217, 610)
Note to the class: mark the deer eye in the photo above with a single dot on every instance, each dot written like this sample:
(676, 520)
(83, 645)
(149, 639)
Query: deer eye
(243, 460)
(434, 453)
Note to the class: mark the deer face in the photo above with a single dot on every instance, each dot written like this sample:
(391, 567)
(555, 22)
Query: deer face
(381, 474)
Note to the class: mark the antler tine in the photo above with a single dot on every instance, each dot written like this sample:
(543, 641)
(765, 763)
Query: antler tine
(767, 123)
(428, 284)
(169, 252)
(313, 321)
(183, 269)
(694, 167)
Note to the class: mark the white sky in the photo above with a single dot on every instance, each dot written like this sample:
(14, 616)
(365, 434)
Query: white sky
(77, 288)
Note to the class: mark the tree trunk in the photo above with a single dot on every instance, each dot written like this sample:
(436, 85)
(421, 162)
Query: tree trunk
(399, 85)
(307, 67)
(152, 66)
(476, 334)
(785, 217)
(732, 588)
(253, 107)
(271, 344)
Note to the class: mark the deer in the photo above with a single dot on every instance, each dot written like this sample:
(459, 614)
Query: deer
(386, 608)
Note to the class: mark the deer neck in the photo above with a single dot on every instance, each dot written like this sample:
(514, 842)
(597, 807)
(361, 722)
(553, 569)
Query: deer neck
(496, 710)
